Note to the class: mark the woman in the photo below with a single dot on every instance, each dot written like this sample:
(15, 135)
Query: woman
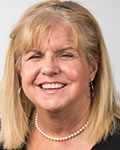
(57, 88)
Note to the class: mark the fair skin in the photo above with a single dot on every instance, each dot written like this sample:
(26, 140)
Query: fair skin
(55, 77)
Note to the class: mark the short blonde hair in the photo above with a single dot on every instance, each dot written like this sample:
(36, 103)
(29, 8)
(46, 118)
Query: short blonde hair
(28, 32)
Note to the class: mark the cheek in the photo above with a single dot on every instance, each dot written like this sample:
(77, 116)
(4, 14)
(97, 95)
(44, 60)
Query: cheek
(76, 72)
(28, 73)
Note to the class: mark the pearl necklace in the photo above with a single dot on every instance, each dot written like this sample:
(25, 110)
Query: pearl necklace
(56, 139)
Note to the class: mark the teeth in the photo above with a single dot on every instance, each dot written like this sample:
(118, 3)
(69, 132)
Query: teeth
(52, 86)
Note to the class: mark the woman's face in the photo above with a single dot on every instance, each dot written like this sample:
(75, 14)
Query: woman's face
(55, 75)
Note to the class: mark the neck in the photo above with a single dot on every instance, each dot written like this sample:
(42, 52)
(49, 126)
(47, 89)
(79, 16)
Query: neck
(63, 122)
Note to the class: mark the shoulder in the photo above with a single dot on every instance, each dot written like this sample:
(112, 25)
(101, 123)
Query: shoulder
(22, 148)
(1, 147)
(112, 142)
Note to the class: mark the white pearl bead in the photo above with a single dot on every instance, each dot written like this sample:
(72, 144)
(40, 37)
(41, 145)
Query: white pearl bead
(59, 139)
(78, 132)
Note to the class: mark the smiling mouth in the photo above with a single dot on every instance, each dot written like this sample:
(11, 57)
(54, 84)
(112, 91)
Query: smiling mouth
(52, 86)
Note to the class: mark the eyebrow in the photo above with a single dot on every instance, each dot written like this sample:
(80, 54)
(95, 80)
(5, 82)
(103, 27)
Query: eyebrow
(59, 50)
(34, 50)
(64, 49)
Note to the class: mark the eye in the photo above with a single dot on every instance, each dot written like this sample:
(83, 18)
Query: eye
(69, 55)
(35, 57)
(34, 54)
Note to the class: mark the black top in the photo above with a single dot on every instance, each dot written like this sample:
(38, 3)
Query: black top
(112, 143)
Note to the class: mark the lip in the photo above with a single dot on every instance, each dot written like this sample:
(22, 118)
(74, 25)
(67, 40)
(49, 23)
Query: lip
(52, 90)
(54, 82)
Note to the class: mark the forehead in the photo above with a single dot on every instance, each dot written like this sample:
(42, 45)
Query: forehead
(54, 37)
(58, 36)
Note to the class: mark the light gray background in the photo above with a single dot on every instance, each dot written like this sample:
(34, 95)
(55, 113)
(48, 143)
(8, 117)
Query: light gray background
(107, 12)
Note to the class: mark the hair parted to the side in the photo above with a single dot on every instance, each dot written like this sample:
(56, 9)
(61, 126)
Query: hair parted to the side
(28, 33)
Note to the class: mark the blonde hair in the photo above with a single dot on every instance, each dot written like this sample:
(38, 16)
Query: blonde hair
(28, 32)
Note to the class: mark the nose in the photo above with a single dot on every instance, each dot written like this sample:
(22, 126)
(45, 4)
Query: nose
(50, 67)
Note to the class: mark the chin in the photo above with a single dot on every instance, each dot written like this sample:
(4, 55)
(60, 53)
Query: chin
(52, 108)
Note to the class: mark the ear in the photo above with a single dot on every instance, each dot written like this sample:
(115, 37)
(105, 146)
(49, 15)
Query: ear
(93, 70)
(18, 65)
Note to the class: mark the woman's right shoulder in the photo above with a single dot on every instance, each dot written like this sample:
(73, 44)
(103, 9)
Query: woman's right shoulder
(1, 147)
(22, 148)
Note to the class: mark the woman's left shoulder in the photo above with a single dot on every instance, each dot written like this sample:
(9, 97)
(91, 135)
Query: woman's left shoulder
(112, 142)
